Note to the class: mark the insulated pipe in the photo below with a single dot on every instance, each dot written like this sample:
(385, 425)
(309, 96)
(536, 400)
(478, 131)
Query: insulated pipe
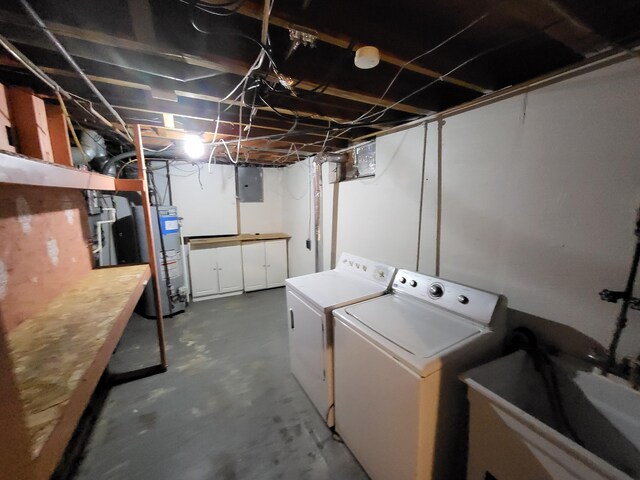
(73, 64)
(316, 171)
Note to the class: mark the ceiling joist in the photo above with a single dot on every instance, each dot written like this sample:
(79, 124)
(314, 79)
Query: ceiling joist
(215, 63)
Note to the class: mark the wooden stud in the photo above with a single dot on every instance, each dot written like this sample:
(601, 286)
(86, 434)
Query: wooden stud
(167, 120)
(146, 207)
(59, 135)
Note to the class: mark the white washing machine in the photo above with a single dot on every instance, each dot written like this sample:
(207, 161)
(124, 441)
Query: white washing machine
(399, 405)
(310, 301)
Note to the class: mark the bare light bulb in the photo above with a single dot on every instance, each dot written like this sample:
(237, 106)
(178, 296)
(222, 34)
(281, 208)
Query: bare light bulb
(193, 146)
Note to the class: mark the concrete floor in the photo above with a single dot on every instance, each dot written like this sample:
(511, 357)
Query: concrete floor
(228, 408)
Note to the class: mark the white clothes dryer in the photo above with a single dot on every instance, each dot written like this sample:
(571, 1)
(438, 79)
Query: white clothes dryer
(399, 405)
(310, 301)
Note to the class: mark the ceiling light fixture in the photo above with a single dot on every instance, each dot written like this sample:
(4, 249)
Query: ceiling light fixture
(367, 57)
(193, 146)
(298, 36)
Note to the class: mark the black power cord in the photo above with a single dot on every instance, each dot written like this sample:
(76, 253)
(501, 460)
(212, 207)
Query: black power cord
(522, 338)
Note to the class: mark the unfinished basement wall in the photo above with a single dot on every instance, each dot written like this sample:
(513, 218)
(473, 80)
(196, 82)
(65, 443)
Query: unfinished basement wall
(265, 216)
(378, 217)
(539, 197)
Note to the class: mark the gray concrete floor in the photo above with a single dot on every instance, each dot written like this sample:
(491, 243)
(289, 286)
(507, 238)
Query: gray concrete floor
(228, 408)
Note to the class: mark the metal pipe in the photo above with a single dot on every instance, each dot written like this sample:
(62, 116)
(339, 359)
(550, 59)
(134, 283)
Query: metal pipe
(73, 64)
(627, 298)
(111, 218)
(32, 67)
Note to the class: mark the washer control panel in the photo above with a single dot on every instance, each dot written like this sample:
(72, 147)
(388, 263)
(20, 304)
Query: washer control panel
(468, 301)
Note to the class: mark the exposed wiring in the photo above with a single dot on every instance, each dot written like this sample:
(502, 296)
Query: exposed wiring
(378, 115)
(228, 31)
(424, 54)
(36, 18)
(226, 9)
(44, 78)
(213, 140)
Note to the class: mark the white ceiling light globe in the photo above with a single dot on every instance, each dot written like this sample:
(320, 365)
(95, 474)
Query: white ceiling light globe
(193, 146)
(367, 57)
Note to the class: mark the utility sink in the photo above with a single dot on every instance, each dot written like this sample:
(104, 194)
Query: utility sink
(516, 432)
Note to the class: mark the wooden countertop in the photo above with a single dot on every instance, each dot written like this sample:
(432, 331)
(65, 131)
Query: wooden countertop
(197, 243)
(60, 353)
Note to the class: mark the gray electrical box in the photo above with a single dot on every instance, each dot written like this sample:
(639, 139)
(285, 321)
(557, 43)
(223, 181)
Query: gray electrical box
(173, 292)
(249, 184)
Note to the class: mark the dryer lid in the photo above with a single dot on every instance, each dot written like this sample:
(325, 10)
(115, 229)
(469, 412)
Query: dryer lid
(333, 289)
(419, 329)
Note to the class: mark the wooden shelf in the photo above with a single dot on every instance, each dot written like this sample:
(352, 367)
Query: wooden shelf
(197, 243)
(21, 170)
(60, 353)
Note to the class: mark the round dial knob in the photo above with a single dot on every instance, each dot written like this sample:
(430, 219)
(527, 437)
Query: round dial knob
(436, 291)
(463, 300)
(413, 283)
(403, 280)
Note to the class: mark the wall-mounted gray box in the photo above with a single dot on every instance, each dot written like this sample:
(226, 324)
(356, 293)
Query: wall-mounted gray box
(249, 184)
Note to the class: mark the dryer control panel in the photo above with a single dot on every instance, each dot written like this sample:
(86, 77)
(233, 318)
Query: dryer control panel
(470, 302)
(378, 272)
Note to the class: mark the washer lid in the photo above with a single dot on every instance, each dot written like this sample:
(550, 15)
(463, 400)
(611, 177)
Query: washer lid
(420, 330)
(333, 289)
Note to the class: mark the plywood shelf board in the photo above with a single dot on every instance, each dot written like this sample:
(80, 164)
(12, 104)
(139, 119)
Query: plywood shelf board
(64, 349)
(236, 239)
(22, 170)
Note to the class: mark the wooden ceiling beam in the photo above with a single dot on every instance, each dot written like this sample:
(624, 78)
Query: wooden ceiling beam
(216, 63)
(571, 33)
(252, 10)
(180, 93)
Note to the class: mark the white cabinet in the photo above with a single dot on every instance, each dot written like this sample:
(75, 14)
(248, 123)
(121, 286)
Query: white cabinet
(264, 264)
(215, 271)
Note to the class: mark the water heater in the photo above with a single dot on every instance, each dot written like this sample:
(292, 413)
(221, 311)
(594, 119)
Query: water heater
(169, 260)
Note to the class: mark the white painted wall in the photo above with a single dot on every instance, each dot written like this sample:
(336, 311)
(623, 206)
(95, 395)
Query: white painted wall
(206, 201)
(378, 217)
(539, 195)
(265, 216)
(296, 211)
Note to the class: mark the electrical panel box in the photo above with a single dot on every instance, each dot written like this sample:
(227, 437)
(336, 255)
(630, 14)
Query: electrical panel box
(250, 187)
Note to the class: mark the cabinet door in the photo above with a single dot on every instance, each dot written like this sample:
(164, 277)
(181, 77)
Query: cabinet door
(254, 266)
(230, 268)
(306, 350)
(204, 275)
(276, 256)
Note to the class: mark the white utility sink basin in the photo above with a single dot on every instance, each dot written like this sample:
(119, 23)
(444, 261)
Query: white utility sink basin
(514, 433)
